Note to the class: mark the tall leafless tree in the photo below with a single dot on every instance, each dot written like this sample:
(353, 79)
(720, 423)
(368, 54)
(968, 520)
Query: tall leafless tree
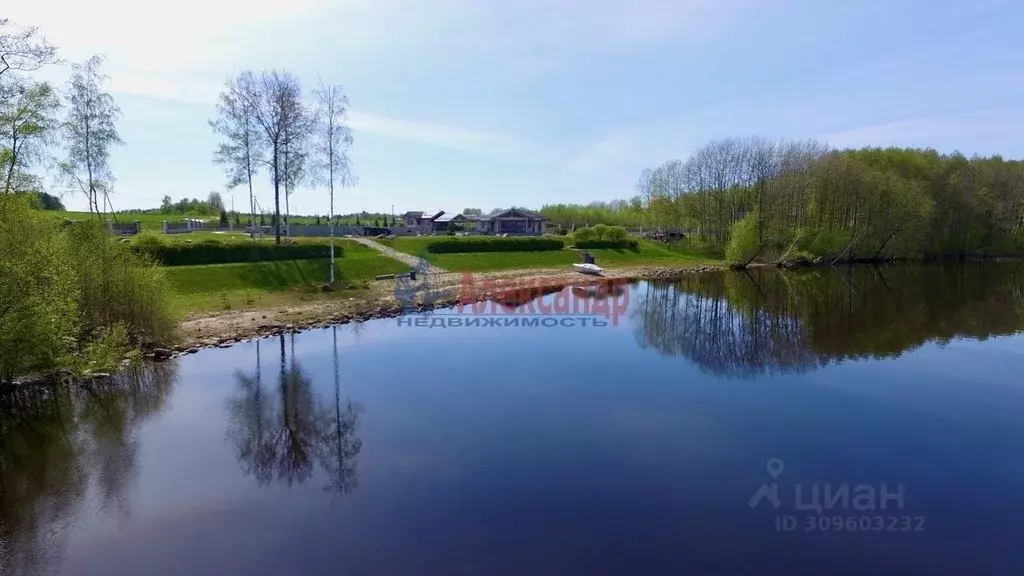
(333, 139)
(23, 48)
(276, 104)
(89, 132)
(295, 151)
(243, 146)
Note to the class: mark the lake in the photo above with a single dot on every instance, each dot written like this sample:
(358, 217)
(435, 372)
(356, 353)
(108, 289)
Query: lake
(845, 421)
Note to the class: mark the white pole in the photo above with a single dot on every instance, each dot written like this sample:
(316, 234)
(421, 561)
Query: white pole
(331, 219)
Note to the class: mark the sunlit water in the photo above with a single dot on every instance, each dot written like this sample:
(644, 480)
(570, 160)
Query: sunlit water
(689, 437)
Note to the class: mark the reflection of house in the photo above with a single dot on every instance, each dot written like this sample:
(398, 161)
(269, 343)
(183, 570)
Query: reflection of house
(512, 221)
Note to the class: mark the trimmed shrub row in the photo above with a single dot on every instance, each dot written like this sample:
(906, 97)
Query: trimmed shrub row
(217, 253)
(597, 244)
(495, 244)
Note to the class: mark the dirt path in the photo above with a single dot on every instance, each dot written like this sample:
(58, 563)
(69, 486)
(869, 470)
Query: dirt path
(225, 328)
(412, 261)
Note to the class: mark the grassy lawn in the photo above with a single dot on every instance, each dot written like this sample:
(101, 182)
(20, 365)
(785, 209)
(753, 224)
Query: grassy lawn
(233, 237)
(150, 222)
(253, 284)
(647, 253)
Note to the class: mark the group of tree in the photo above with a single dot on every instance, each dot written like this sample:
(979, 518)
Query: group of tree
(759, 199)
(71, 299)
(627, 213)
(212, 206)
(265, 123)
(37, 118)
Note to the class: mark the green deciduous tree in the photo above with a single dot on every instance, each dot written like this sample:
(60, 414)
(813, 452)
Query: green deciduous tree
(28, 122)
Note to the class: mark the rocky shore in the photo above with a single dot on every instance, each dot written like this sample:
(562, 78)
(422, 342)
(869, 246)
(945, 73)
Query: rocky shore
(227, 329)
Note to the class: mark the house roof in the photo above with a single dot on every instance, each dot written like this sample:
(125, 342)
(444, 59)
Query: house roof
(428, 214)
(515, 212)
(447, 217)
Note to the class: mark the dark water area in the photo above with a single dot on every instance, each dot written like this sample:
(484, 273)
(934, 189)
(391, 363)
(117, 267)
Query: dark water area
(865, 420)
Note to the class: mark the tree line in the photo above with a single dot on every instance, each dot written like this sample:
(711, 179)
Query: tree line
(760, 199)
(776, 200)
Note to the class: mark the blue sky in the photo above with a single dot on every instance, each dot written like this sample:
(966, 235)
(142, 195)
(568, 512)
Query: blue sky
(471, 103)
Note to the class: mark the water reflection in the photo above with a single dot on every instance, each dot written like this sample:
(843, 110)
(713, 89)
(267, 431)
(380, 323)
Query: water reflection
(57, 441)
(743, 324)
(279, 435)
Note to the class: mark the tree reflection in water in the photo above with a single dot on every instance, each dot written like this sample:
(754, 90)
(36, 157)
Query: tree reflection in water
(744, 324)
(57, 440)
(279, 438)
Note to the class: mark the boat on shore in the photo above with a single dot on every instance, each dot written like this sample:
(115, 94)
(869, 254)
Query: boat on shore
(588, 268)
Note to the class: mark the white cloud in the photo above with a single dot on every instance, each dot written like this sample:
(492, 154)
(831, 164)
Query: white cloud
(931, 131)
(437, 134)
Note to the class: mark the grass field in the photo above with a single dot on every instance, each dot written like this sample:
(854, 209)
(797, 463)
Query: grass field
(646, 253)
(253, 284)
(150, 222)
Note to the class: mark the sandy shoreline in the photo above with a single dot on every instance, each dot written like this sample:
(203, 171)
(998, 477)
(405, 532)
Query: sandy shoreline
(226, 328)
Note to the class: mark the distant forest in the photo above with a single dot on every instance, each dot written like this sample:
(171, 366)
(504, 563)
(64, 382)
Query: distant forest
(763, 200)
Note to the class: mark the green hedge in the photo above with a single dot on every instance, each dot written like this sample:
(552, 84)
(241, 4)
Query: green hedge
(224, 253)
(495, 244)
(598, 244)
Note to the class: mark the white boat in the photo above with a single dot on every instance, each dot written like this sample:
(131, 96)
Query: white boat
(588, 269)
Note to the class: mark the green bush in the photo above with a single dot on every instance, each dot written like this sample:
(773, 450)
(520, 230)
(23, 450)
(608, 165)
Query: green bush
(616, 233)
(71, 296)
(598, 244)
(584, 235)
(212, 251)
(601, 230)
(743, 244)
(117, 285)
(38, 307)
(495, 244)
(828, 244)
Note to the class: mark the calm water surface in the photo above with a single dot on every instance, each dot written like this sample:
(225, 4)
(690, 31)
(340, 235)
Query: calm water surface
(695, 436)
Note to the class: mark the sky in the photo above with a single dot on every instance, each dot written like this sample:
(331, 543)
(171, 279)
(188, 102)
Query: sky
(488, 103)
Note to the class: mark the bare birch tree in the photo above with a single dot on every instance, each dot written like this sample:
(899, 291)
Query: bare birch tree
(295, 147)
(333, 139)
(277, 107)
(242, 147)
(89, 132)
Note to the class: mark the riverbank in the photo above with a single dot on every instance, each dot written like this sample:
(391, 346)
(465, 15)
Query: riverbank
(222, 329)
